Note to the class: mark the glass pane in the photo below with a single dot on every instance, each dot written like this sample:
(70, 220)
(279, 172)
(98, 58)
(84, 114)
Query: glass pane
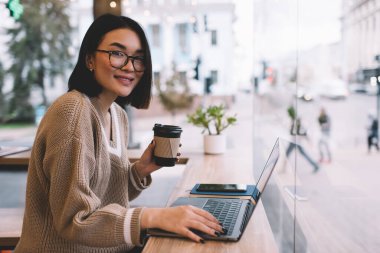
(275, 25)
(316, 76)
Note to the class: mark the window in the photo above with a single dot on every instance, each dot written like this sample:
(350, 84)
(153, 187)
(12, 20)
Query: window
(140, 2)
(156, 31)
(182, 77)
(205, 23)
(214, 76)
(156, 78)
(214, 38)
(310, 95)
(182, 31)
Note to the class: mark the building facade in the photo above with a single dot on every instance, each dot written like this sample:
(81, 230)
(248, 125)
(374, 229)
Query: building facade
(195, 38)
(361, 39)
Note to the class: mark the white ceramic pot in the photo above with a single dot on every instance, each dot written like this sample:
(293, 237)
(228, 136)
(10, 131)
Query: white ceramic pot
(214, 144)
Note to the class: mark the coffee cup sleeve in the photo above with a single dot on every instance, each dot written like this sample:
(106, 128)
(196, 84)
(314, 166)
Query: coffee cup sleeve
(167, 148)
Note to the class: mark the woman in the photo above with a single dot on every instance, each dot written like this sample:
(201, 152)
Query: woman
(80, 180)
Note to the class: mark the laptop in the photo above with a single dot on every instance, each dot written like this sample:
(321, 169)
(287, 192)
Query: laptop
(233, 213)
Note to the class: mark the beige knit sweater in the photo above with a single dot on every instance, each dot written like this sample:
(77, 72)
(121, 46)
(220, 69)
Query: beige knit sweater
(80, 183)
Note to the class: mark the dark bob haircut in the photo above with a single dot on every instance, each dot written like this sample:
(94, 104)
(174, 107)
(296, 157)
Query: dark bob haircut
(82, 79)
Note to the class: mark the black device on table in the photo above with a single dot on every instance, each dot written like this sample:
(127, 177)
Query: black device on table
(222, 188)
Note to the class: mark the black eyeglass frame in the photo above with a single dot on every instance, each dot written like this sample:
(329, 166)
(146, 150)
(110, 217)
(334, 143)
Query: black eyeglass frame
(133, 58)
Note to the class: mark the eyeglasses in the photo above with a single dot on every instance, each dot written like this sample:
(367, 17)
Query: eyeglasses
(119, 59)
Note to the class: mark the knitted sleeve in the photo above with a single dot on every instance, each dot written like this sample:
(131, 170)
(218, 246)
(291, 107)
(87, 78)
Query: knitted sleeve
(77, 212)
(137, 184)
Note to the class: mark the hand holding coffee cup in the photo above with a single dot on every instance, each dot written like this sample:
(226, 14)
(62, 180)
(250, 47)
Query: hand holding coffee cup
(167, 139)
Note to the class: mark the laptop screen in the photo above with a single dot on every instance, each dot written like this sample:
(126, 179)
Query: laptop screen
(268, 168)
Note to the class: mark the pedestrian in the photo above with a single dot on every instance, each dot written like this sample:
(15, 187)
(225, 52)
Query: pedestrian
(324, 140)
(299, 134)
(373, 128)
(80, 180)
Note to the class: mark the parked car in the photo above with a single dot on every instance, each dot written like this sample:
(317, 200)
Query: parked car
(329, 88)
(334, 89)
(358, 87)
(366, 88)
(306, 93)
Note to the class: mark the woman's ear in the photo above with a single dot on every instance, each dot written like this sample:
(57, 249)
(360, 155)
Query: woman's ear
(90, 62)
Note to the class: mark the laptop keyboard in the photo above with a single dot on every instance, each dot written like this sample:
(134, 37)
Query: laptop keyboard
(225, 211)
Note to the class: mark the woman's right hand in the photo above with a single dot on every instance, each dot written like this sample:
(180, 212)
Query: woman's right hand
(180, 220)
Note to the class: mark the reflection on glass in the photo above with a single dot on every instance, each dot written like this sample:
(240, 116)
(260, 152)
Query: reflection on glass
(321, 58)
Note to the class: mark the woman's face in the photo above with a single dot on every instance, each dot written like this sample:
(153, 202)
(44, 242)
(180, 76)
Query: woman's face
(117, 82)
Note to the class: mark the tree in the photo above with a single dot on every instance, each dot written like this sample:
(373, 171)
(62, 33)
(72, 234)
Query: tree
(39, 49)
(175, 95)
(2, 95)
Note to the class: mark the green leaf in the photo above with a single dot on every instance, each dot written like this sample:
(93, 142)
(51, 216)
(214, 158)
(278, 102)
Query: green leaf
(212, 119)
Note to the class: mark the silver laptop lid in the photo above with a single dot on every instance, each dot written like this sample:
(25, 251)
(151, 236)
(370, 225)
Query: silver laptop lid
(268, 168)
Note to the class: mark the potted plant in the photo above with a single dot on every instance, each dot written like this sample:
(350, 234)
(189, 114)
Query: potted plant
(214, 121)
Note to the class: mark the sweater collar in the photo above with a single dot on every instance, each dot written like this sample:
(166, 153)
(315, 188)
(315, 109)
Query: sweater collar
(114, 145)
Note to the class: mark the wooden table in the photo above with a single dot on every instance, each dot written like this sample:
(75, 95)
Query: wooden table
(20, 160)
(235, 166)
(11, 218)
(10, 227)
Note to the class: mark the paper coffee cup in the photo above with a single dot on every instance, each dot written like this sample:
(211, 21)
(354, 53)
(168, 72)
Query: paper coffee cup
(167, 139)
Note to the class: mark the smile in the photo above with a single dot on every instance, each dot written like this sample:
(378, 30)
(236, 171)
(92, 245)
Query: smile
(125, 79)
